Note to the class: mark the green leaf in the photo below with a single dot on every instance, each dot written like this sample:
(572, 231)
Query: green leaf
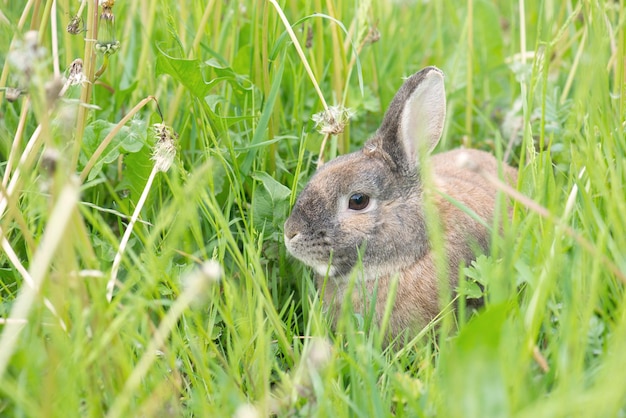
(130, 139)
(476, 356)
(188, 72)
(135, 135)
(270, 204)
(277, 191)
(137, 167)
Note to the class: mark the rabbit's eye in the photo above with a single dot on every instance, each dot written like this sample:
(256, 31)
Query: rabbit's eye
(358, 201)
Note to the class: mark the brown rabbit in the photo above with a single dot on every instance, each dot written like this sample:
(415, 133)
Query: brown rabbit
(366, 209)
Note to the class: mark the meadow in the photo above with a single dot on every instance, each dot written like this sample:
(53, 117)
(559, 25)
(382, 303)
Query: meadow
(150, 152)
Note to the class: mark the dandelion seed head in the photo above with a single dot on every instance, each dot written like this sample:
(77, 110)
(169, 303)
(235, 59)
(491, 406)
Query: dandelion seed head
(198, 281)
(212, 270)
(247, 411)
(373, 35)
(319, 353)
(49, 160)
(12, 94)
(76, 75)
(27, 55)
(75, 25)
(165, 148)
(53, 88)
(333, 120)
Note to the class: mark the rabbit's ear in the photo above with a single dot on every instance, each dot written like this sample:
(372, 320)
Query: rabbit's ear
(414, 121)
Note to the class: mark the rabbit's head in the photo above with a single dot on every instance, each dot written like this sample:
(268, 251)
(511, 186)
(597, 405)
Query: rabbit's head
(366, 207)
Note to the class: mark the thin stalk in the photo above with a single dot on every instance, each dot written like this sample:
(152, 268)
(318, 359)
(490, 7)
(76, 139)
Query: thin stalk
(89, 64)
(296, 44)
(175, 104)
(55, 39)
(338, 66)
(24, 164)
(469, 91)
(17, 140)
(572, 72)
(163, 156)
(129, 229)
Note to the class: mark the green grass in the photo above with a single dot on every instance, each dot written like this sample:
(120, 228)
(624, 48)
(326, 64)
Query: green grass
(550, 341)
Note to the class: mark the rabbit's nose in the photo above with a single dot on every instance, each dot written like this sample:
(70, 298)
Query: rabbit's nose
(291, 229)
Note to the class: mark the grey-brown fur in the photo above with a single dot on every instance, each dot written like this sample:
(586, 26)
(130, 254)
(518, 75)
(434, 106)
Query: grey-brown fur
(392, 231)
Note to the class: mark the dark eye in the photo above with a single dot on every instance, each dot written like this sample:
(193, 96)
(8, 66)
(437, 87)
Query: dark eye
(358, 201)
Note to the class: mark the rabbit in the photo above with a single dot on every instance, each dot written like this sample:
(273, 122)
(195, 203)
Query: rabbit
(363, 213)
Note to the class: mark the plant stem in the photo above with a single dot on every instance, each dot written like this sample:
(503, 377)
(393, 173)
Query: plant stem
(129, 229)
(89, 64)
(296, 44)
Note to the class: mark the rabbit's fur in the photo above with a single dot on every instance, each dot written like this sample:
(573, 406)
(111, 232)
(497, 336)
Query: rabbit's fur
(389, 236)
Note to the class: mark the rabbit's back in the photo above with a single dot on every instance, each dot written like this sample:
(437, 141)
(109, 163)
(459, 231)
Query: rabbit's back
(417, 298)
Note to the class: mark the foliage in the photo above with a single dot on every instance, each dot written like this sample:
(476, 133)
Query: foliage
(209, 316)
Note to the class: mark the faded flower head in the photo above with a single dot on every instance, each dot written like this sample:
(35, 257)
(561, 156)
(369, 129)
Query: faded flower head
(199, 280)
(12, 94)
(318, 354)
(26, 55)
(333, 120)
(53, 89)
(49, 160)
(165, 147)
(373, 35)
(76, 75)
(107, 42)
(75, 25)
(247, 411)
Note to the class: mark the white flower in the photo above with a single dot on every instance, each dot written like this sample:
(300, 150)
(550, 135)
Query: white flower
(318, 354)
(27, 55)
(76, 75)
(333, 120)
(165, 147)
(198, 280)
(247, 411)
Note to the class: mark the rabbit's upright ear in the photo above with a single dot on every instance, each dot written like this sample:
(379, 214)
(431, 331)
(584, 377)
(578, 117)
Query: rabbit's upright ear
(414, 121)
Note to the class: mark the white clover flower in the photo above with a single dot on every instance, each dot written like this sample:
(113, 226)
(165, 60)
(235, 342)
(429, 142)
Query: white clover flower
(333, 120)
